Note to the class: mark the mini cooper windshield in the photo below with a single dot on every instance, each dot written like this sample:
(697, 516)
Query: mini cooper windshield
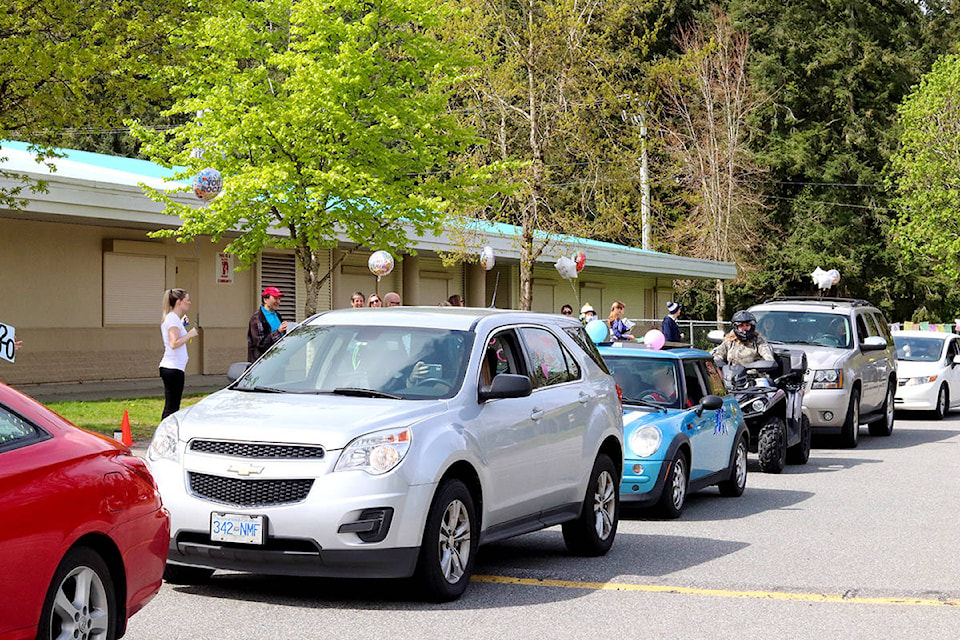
(408, 363)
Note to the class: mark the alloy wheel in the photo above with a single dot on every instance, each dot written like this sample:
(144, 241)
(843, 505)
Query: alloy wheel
(604, 505)
(454, 548)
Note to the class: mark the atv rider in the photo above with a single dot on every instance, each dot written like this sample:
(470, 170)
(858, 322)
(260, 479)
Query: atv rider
(743, 345)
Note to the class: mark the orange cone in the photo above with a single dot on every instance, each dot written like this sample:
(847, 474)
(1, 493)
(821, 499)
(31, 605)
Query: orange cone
(127, 438)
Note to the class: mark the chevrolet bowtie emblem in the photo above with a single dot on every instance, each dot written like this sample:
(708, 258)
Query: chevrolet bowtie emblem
(244, 470)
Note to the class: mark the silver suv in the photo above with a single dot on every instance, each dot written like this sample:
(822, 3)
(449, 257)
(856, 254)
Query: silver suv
(389, 443)
(852, 374)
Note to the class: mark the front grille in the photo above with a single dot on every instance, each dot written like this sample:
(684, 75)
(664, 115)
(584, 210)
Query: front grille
(256, 450)
(248, 493)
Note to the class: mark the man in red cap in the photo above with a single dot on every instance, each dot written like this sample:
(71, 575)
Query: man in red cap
(266, 325)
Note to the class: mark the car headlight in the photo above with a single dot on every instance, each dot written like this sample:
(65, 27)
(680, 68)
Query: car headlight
(827, 379)
(921, 380)
(645, 441)
(757, 406)
(375, 453)
(165, 438)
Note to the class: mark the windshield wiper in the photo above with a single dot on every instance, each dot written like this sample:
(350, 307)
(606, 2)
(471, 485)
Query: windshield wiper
(364, 393)
(261, 389)
(645, 403)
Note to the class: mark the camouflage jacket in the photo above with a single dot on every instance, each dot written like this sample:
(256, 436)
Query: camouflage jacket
(734, 351)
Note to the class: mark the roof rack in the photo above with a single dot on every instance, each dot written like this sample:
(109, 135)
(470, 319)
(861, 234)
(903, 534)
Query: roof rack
(855, 302)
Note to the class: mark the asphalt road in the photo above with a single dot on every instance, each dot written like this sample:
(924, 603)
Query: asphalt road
(858, 543)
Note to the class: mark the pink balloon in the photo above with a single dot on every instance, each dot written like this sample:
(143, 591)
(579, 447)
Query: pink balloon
(654, 339)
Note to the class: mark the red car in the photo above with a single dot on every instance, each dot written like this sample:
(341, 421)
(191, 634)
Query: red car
(83, 533)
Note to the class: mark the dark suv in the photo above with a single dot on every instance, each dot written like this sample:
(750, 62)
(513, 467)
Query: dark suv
(852, 374)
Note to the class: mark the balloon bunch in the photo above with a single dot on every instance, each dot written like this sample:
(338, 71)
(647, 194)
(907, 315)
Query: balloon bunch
(569, 268)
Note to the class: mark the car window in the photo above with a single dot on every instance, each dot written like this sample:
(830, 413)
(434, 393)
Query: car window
(872, 329)
(408, 362)
(714, 378)
(694, 383)
(805, 327)
(549, 364)
(884, 327)
(861, 329)
(15, 431)
(918, 349)
(579, 335)
(952, 350)
(648, 379)
(501, 355)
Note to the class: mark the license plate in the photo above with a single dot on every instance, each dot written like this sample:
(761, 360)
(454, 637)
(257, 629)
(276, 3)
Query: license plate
(235, 527)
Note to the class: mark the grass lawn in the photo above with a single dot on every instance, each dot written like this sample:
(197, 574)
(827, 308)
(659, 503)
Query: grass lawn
(104, 416)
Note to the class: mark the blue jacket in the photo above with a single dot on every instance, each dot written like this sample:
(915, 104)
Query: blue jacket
(670, 329)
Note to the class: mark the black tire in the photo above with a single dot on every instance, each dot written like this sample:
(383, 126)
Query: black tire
(592, 533)
(884, 426)
(800, 452)
(850, 434)
(943, 403)
(674, 495)
(181, 574)
(772, 446)
(733, 487)
(449, 547)
(92, 610)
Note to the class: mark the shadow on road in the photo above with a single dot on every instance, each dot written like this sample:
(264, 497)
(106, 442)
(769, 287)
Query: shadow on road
(537, 556)
(709, 505)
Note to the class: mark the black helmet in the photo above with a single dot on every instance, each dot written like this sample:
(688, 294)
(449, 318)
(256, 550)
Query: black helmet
(739, 318)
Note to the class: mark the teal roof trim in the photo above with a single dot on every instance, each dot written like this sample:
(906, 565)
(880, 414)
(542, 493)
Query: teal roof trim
(135, 166)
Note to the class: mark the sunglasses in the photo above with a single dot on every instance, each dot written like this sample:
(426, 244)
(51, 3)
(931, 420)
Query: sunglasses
(567, 313)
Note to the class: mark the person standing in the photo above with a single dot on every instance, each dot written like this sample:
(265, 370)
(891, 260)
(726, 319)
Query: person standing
(619, 329)
(566, 310)
(175, 336)
(266, 325)
(392, 299)
(374, 301)
(587, 313)
(358, 300)
(669, 326)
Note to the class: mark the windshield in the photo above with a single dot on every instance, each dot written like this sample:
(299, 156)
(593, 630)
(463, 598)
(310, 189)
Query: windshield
(805, 327)
(409, 363)
(645, 380)
(915, 349)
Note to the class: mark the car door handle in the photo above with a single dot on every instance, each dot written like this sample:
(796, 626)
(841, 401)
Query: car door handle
(536, 414)
(585, 397)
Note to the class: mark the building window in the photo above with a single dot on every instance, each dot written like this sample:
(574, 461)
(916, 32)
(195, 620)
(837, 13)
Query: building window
(280, 271)
(133, 288)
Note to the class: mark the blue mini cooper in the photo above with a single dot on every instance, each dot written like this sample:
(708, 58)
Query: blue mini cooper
(682, 431)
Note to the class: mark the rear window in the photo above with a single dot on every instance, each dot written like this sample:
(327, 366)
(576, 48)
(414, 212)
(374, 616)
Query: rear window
(16, 431)
(579, 335)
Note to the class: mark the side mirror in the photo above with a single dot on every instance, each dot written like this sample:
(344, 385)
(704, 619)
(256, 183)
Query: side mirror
(715, 336)
(956, 359)
(236, 370)
(506, 385)
(709, 403)
(873, 343)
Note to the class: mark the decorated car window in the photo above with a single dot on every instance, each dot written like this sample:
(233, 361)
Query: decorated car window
(549, 364)
(14, 429)
(501, 355)
(714, 378)
(646, 379)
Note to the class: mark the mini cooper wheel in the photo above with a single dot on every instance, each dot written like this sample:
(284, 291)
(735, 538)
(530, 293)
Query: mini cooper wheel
(800, 452)
(674, 495)
(81, 601)
(772, 446)
(593, 532)
(734, 486)
(449, 543)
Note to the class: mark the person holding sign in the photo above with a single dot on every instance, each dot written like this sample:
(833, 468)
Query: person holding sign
(8, 342)
(175, 336)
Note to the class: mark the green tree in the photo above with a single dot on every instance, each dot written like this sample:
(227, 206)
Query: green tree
(553, 84)
(77, 65)
(927, 170)
(326, 118)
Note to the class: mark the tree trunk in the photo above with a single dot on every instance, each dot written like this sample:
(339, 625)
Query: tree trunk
(313, 276)
(721, 303)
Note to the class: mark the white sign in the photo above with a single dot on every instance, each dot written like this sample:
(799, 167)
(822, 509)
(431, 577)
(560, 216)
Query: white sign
(224, 268)
(8, 336)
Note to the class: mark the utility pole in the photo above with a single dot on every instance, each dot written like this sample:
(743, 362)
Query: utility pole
(639, 119)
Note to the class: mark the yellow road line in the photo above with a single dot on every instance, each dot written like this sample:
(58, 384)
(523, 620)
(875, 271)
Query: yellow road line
(720, 593)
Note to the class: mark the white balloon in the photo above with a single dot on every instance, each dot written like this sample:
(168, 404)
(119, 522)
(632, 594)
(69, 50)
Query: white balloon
(567, 268)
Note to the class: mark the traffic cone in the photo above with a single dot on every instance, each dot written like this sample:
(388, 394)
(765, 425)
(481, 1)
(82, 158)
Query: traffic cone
(127, 437)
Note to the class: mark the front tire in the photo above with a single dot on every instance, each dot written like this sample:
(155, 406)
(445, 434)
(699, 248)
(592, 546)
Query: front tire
(449, 544)
(593, 532)
(81, 601)
(674, 496)
(943, 403)
(850, 434)
(772, 446)
(734, 486)
(884, 426)
(800, 452)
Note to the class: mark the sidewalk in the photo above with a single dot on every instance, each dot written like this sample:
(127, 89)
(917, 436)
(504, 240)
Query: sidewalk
(117, 389)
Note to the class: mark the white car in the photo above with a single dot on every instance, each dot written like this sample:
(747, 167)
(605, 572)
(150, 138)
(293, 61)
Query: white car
(389, 443)
(928, 374)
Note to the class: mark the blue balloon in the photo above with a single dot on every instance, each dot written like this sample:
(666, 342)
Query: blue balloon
(597, 331)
